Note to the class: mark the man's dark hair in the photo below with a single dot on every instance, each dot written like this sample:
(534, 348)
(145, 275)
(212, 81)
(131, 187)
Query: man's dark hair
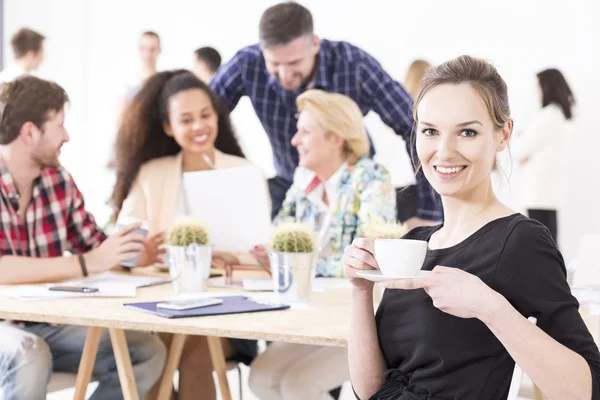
(26, 40)
(27, 99)
(210, 56)
(283, 23)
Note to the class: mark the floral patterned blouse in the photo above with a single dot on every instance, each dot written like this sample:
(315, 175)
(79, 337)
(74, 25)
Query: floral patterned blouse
(364, 196)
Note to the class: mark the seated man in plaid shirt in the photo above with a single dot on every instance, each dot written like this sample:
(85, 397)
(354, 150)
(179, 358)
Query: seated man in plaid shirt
(42, 215)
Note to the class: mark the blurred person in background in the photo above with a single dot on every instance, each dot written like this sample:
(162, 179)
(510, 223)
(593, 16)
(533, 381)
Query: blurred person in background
(407, 197)
(207, 61)
(542, 151)
(28, 51)
(149, 51)
(413, 77)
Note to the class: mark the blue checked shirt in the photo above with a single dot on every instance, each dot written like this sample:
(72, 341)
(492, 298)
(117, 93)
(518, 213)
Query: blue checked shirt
(342, 68)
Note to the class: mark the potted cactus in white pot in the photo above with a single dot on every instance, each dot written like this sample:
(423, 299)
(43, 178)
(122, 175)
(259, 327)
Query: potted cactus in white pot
(292, 256)
(189, 254)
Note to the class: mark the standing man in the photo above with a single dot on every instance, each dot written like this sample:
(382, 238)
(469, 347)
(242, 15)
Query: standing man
(207, 61)
(149, 50)
(28, 50)
(291, 59)
(42, 215)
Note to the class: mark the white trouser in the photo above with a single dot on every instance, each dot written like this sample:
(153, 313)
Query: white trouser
(287, 371)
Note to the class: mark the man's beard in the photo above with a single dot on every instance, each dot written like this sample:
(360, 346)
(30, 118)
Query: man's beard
(303, 81)
(48, 159)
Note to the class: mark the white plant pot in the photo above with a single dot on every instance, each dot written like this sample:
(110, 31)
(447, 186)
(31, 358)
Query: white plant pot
(189, 267)
(293, 275)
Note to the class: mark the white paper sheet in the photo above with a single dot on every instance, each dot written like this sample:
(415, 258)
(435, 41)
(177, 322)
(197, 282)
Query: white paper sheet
(320, 285)
(233, 204)
(257, 285)
(324, 284)
(109, 284)
(36, 293)
(113, 281)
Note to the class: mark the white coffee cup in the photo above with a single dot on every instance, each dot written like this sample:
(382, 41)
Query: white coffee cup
(122, 223)
(400, 257)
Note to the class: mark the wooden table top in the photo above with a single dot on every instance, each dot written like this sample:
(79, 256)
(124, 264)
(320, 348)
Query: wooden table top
(324, 322)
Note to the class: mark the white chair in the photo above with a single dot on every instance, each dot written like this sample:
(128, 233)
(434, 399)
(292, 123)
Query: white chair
(586, 262)
(231, 365)
(515, 383)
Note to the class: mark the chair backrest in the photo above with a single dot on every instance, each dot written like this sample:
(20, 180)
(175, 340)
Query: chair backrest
(515, 382)
(587, 263)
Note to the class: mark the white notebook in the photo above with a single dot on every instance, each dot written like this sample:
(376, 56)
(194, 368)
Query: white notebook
(233, 204)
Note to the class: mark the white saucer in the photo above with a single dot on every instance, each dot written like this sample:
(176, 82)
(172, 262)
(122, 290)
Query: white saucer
(377, 276)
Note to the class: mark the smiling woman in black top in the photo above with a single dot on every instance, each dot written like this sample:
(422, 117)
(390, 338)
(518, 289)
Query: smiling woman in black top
(455, 333)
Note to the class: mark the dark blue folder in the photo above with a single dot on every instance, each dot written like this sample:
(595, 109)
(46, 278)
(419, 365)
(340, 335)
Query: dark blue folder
(230, 305)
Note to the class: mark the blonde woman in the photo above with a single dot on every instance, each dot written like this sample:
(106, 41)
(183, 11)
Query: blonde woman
(413, 77)
(337, 189)
(407, 194)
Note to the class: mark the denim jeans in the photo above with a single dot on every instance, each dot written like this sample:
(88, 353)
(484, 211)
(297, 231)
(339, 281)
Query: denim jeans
(28, 356)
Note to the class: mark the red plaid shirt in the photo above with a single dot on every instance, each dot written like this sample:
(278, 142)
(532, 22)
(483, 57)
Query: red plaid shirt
(55, 220)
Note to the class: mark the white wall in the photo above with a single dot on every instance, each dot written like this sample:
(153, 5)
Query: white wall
(92, 49)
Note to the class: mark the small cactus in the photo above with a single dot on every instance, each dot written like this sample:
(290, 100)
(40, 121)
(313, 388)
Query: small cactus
(388, 230)
(293, 238)
(187, 231)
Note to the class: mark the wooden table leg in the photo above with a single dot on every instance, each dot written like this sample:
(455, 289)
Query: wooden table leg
(175, 351)
(121, 350)
(86, 365)
(219, 364)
